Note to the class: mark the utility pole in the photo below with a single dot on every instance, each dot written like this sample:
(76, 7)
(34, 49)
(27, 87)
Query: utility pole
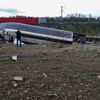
(62, 13)
(61, 20)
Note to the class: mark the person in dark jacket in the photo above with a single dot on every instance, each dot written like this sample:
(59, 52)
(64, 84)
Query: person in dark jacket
(18, 37)
(2, 36)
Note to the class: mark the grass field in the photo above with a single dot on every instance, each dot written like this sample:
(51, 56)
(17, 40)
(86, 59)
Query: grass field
(50, 72)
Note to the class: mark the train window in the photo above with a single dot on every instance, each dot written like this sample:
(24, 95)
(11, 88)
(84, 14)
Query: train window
(68, 35)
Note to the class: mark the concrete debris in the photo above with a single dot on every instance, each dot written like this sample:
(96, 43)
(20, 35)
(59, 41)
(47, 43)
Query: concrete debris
(15, 85)
(14, 58)
(17, 78)
(98, 76)
(44, 75)
(42, 85)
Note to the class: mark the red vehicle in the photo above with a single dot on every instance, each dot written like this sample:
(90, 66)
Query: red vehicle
(31, 21)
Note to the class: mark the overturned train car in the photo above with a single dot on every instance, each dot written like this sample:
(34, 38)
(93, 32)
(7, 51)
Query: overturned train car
(38, 32)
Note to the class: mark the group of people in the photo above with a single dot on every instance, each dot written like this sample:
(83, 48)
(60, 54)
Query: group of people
(18, 38)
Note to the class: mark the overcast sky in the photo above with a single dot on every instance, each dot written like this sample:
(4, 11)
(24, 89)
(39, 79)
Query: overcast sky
(44, 8)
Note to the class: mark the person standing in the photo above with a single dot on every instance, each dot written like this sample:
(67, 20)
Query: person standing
(2, 36)
(18, 37)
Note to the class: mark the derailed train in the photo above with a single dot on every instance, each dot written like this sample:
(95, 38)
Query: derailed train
(38, 32)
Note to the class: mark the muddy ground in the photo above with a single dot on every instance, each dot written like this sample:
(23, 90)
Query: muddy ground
(50, 72)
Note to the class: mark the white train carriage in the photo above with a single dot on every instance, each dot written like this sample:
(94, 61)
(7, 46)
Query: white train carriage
(38, 32)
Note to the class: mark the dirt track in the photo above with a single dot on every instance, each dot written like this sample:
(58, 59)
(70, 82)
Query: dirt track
(46, 58)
